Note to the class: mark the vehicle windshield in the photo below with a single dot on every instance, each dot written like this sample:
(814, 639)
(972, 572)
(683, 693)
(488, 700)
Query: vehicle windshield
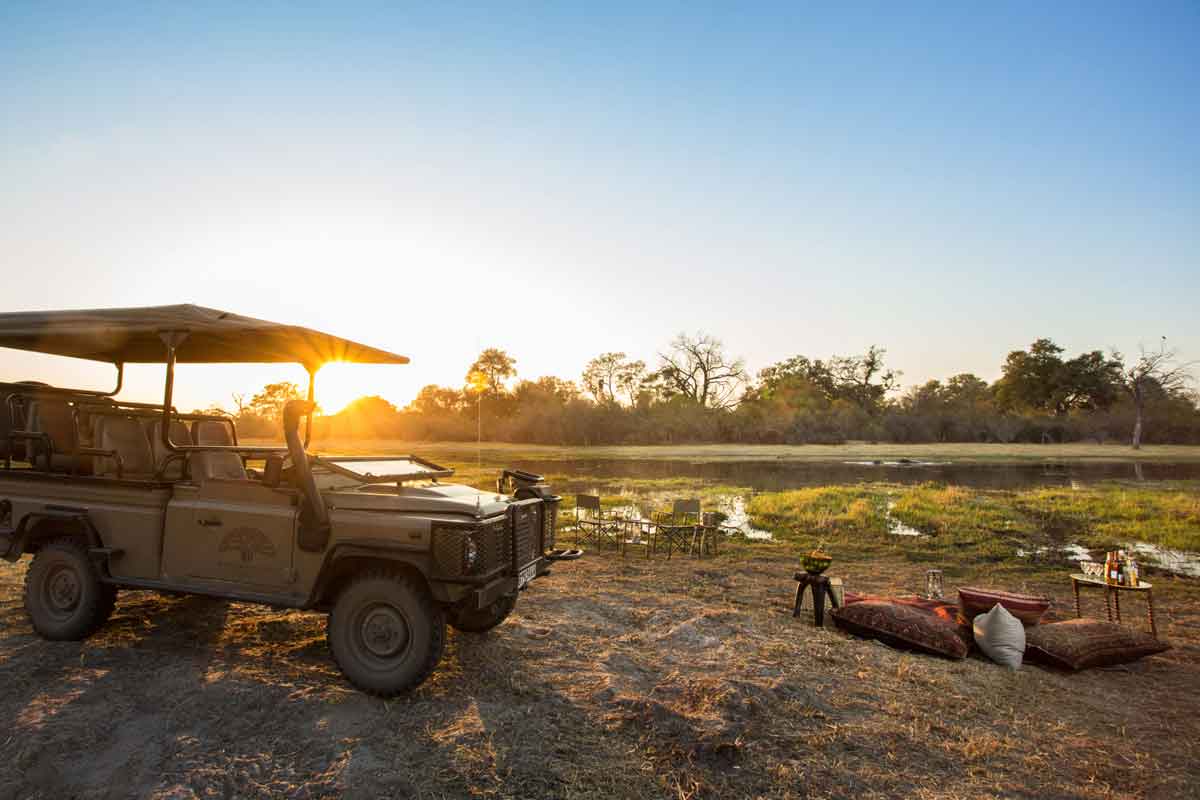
(385, 469)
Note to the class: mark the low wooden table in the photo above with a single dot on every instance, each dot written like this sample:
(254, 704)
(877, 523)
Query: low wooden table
(1112, 596)
(820, 588)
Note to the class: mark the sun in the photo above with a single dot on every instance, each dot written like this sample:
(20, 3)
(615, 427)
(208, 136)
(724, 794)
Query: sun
(340, 383)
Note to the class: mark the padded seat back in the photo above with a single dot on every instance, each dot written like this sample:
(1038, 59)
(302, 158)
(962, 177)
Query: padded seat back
(168, 468)
(127, 438)
(55, 417)
(10, 420)
(224, 466)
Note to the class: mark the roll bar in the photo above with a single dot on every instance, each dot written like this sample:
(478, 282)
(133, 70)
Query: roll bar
(172, 340)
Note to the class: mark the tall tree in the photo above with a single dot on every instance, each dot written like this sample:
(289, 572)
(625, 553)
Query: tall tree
(1031, 379)
(489, 372)
(697, 368)
(1088, 382)
(269, 403)
(1156, 372)
(863, 379)
(610, 375)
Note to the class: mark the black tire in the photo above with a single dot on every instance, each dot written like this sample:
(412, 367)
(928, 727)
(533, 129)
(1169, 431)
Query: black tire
(64, 596)
(485, 618)
(385, 633)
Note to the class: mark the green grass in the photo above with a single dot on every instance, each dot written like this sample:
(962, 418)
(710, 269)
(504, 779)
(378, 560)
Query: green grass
(1111, 515)
(823, 511)
(967, 527)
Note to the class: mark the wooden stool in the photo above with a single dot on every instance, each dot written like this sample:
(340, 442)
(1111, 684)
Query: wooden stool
(820, 588)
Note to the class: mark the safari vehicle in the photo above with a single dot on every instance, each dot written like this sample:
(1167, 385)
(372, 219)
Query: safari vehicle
(107, 494)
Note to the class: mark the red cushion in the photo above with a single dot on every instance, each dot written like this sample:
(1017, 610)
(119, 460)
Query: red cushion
(1025, 607)
(1081, 643)
(932, 626)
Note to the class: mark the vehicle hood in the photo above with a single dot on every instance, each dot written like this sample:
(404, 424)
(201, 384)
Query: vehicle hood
(440, 498)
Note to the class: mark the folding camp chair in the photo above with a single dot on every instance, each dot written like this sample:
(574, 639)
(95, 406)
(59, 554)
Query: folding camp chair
(681, 529)
(592, 524)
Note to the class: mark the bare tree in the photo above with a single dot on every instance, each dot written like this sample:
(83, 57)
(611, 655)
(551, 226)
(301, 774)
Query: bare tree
(697, 367)
(1156, 372)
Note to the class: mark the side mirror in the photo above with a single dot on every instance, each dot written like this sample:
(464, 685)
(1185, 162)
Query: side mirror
(273, 471)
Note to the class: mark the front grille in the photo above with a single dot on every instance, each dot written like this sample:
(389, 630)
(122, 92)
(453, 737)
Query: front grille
(549, 523)
(510, 542)
(452, 546)
(525, 526)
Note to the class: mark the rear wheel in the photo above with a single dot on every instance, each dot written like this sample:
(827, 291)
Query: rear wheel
(485, 618)
(386, 633)
(64, 596)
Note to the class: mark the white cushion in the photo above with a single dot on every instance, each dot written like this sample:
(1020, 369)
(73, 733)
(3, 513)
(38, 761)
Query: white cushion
(1001, 636)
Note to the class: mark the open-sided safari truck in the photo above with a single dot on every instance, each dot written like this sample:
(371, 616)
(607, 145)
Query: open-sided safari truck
(107, 494)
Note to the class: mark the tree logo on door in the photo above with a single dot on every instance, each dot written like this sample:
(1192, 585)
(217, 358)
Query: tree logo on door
(248, 543)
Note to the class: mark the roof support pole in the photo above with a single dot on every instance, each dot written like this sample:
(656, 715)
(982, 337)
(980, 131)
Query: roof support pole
(120, 380)
(172, 340)
(312, 382)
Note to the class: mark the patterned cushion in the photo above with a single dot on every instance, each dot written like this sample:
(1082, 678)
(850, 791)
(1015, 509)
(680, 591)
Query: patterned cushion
(1081, 643)
(1027, 608)
(932, 626)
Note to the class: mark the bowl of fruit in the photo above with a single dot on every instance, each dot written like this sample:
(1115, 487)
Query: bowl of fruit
(816, 561)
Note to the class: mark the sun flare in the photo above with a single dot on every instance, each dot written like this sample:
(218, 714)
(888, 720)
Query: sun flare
(340, 383)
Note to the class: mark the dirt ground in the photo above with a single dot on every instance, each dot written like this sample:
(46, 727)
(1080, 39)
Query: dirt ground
(613, 678)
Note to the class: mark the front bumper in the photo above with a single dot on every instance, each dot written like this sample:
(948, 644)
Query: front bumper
(492, 591)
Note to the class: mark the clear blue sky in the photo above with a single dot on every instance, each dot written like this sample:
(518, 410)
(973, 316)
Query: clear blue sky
(950, 182)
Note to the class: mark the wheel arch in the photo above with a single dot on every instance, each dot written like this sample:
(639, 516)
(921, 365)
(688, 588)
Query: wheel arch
(37, 528)
(345, 562)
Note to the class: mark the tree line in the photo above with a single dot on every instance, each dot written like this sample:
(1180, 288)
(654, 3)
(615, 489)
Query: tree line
(696, 392)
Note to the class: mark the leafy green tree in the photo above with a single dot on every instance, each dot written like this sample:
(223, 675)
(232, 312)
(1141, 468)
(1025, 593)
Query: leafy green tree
(608, 376)
(490, 371)
(1040, 380)
(1031, 379)
(268, 404)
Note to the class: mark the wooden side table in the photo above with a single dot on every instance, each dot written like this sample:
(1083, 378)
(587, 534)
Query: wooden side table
(1112, 596)
(820, 588)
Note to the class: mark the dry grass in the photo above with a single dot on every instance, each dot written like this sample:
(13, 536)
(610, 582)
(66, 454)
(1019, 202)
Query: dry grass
(613, 678)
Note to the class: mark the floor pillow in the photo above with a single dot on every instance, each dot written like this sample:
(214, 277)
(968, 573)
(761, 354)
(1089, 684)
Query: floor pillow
(1081, 643)
(1025, 607)
(932, 626)
(1001, 636)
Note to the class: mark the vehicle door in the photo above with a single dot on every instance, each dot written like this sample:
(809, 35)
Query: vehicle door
(231, 530)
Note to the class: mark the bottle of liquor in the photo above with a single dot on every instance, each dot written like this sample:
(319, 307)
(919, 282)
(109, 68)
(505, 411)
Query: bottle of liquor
(1134, 578)
(1108, 567)
(1122, 572)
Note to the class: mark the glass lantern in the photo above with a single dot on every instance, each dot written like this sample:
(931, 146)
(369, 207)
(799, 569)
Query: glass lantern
(933, 584)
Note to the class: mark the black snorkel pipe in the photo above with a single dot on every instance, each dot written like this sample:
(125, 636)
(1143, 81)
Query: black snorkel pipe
(314, 532)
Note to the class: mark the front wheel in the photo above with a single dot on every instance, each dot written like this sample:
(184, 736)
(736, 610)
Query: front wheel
(386, 633)
(485, 618)
(64, 596)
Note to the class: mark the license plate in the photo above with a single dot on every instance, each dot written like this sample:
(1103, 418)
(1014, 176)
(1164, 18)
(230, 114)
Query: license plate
(526, 575)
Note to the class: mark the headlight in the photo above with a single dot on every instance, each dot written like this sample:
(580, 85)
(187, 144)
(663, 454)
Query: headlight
(470, 554)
